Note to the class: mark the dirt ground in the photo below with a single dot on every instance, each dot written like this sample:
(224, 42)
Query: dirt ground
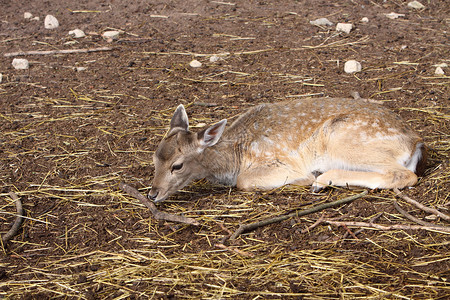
(68, 136)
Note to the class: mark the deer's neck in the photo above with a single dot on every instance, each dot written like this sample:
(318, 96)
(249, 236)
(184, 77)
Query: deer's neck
(222, 162)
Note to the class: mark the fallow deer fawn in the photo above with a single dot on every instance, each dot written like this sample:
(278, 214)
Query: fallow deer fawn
(347, 142)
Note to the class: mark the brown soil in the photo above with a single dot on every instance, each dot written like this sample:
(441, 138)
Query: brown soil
(67, 138)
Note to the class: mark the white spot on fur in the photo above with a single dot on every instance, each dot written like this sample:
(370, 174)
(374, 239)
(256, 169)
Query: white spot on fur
(254, 147)
(267, 140)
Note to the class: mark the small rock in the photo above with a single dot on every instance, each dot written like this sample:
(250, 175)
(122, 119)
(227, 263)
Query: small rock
(344, 27)
(27, 15)
(431, 217)
(195, 64)
(20, 63)
(51, 22)
(214, 58)
(1, 77)
(80, 69)
(77, 33)
(111, 35)
(439, 71)
(442, 65)
(416, 5)
(352, 66)
(35, 19)
(365, 20)
(394, 15)
(321, 22)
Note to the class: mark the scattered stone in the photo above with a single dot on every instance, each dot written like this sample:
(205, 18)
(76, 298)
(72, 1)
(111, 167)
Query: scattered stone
(35, 19)
(352, 66)
(111, 35)
(200, 125)
(195, 64)
(214, 58)
(321, 22)
(365, 20)
(51, 22)
(20, 63)
(27, 15)
(80, 69)
(416, 5)
(431, 217)
(77, 33)
(394, 15)
(439, 71)
(1, 77)
(344, 27)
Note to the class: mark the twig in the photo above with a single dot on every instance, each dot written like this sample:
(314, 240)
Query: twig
(412, 218)
(389, 227)
(308, 229)
(19, 219)
(159, 215)
(253, 226)
(421, 206)
(350, 232)
(373, 219)
(49, 52)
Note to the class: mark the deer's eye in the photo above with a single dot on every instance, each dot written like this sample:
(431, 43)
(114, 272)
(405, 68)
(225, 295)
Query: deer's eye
(177, 167)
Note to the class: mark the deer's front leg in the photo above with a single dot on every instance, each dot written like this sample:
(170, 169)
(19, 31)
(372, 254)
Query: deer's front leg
(266, 178)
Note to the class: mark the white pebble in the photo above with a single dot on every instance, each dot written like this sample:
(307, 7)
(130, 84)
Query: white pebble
(80, 69)
(352, 66)
(344, 27)
(365, 20)
(77, 33)
(111, 35)
(431, 217)
(195, 64)
(321, 22)
(35, 19)
(1, 77)
(394, 15)
(50, 22)
(27, 15)
(439, 71)
(20, 63)
(214, 58)
(415, 5)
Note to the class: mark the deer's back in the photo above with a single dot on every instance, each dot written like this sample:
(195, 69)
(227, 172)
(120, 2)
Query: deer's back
(287, 127)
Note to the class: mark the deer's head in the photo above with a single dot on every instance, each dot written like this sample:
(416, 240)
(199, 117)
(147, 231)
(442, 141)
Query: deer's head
(178, 157)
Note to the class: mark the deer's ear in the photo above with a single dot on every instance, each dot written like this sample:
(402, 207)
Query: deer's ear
(211, 135)
(180, 119)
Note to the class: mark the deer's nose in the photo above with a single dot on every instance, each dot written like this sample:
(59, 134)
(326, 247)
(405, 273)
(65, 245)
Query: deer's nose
(152, 194)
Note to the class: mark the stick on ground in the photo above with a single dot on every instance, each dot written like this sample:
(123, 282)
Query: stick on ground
(19, 219)
(252, 226)
(389, 227)
(49, 52)
(421, 206)
(159, 215)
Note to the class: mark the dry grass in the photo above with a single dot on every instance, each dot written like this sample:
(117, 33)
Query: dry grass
(150, 259)
(83, 238)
